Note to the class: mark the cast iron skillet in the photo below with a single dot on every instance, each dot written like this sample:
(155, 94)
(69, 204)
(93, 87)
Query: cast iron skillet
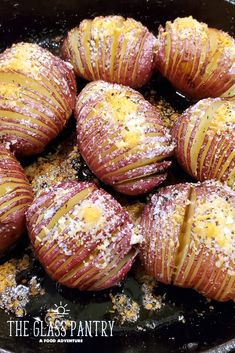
(205, 329)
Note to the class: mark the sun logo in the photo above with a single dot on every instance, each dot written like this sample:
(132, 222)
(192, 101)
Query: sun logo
(60, 310)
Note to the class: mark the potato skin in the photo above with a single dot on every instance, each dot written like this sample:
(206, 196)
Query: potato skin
(161, 228)
(189, 238)
(15, 198)
(113, 49)
(81, 235)
(122, 138)
(197, 60)
(204, 137)
(37, 96)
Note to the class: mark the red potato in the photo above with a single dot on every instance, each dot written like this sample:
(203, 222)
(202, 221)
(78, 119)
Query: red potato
(81, 235)
(122, 138)
(199, 61)
(37, 96)
(204, 137)
(161, 224)
(113, 49)
(189, 238)
(15, 198)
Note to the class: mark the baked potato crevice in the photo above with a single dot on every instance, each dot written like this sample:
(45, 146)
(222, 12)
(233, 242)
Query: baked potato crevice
(184, 234)
(189, 238)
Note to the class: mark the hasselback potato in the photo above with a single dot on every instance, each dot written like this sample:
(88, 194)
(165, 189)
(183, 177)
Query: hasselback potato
(81, 235)
(113, 49)
(189, 238)
(15, 198)
(122, 138)
(204, 137)
(37, 96)
(199, 61)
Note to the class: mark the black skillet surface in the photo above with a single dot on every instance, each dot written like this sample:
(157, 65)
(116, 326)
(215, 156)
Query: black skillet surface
(205, 329)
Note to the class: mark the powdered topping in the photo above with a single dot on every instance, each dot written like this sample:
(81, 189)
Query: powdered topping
(189, 232)
(224, 118)
(63, 164)
(226, 46)
(187, 27)
(123, 109)
(87, 218)
(83, 217)
(151, 301)
(169, 206)
(91, 214)
(112, 26)
(214, 227)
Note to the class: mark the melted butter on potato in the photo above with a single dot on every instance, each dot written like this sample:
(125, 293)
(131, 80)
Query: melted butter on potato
(91, 214)
(124, 111)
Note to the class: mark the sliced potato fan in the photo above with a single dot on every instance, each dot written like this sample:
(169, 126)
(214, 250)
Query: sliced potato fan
(122, 138)
(199, 61)
(113, 49)
(189, 238)
(37, 95)
(81, 235)
(204, 137)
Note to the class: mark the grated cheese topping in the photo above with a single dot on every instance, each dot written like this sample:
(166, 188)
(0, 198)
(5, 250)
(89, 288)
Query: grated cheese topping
(123, 109)
(214, 228)
(82, 216)
(187, 27)
(110, 26)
